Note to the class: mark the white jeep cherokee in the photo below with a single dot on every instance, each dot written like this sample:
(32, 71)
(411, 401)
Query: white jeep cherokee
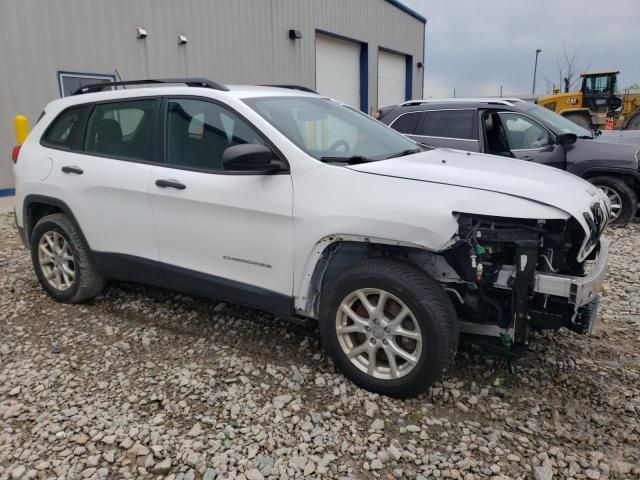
(287, 201)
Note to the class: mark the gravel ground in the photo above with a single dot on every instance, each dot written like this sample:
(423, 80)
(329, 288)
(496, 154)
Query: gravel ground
(144, 382)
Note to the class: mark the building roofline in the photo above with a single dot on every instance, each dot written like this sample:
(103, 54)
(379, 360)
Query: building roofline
(407, 10)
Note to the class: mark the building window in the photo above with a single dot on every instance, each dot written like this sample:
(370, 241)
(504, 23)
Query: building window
(69, 82)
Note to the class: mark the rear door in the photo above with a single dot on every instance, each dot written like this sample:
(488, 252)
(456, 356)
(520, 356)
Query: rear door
(528, 140)
(101, 158)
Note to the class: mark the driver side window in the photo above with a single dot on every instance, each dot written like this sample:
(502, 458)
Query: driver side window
(523, 133)
(199, 131)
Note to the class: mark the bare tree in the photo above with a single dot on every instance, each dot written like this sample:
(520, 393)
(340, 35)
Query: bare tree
(567, 70)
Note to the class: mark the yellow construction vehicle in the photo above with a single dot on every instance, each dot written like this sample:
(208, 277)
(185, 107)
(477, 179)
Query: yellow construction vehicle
(597, 102)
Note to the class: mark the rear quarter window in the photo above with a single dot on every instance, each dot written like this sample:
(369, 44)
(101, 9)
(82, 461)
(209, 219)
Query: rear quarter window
(66, 130)
(407, 122)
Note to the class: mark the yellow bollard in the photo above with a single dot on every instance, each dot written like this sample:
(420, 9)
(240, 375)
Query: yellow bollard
(21, 126)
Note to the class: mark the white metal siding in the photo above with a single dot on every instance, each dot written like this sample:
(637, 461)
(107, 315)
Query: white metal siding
(392, 83)
(232, 41)
(338, 69)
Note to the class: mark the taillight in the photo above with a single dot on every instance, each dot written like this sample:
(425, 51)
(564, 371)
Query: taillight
(15, 152)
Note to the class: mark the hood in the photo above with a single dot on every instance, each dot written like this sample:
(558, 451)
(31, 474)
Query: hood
(598, 152)
(517, 178)
(627, 137)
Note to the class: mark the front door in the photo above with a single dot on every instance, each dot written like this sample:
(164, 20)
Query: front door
(522, 137)
(222, 234)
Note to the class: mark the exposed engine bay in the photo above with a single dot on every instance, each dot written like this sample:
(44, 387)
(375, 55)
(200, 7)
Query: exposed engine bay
(498, 263)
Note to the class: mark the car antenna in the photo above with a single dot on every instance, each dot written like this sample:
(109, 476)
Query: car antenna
(119, 77)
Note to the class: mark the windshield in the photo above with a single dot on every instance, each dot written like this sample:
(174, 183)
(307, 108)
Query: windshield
(327, 130)
(562, 124)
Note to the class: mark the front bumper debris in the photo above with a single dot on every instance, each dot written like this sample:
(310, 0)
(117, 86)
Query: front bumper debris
(578, 290)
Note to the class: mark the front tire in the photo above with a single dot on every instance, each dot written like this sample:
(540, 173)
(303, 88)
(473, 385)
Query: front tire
(389, 327)
(624, 202)
(62, 261)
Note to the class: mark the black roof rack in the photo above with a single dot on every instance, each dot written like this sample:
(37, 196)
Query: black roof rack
(190, 82)
(293, 87)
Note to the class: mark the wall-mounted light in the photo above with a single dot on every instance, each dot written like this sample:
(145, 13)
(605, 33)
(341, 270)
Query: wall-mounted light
(295, 34)
(141, 32)
(420, 65)
(182, 39)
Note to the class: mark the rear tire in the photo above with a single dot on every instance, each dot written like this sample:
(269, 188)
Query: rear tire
(408, 355)
(62, 261)
(624, 201)
(579, 120)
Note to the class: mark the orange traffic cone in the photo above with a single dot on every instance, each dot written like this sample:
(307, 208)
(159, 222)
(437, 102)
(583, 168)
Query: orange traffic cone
(609, 124)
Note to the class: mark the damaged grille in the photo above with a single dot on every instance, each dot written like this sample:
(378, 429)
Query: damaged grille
(596, 219)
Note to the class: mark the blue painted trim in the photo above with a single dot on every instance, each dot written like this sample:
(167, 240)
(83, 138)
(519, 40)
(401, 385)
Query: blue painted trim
(7, 192)
(364, 77)
(408, 89)
(407, 10)
(364, 66)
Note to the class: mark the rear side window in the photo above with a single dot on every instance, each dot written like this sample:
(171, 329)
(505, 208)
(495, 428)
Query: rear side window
(66, 129)
(447, 123)
(407, 122)
(121, 129)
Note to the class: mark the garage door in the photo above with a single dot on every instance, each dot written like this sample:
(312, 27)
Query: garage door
(338, 69)
(392, 74)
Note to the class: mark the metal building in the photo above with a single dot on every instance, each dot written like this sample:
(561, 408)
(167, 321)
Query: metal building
(368, 53)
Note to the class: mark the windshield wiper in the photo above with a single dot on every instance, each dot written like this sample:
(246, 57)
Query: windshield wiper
(352, 160)
(404, 153)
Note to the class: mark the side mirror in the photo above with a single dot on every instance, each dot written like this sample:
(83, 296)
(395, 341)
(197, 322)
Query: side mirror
(249, 157)
(566, 139)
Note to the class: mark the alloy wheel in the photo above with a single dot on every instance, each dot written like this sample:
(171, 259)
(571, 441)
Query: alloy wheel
(378, 333)
(615, 199)
(56, 261)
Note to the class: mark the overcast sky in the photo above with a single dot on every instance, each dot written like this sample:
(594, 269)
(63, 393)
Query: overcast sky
(475, 46)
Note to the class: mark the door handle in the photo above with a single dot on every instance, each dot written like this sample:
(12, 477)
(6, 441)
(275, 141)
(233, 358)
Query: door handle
(72, 169)
(171, 184)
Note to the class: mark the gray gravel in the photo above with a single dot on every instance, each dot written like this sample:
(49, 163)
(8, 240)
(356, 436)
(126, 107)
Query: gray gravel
(144, 382)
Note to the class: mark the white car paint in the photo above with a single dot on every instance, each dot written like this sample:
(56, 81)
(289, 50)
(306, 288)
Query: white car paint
(496, 174)
(286, 220)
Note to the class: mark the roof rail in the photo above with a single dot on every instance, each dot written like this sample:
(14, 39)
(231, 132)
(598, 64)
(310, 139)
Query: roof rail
(293, 87)
(500, 101)
(190, 82)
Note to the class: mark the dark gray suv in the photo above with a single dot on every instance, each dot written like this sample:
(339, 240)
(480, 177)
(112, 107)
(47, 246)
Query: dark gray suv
(523, 130)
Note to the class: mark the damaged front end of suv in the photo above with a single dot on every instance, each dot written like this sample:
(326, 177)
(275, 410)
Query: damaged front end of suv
(512, 275)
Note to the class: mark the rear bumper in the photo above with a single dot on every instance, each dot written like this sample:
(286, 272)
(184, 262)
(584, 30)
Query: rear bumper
(578, 290)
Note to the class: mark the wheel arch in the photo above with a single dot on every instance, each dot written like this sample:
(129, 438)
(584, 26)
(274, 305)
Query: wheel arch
(633, 181)
(36, 207)
(333, 254)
